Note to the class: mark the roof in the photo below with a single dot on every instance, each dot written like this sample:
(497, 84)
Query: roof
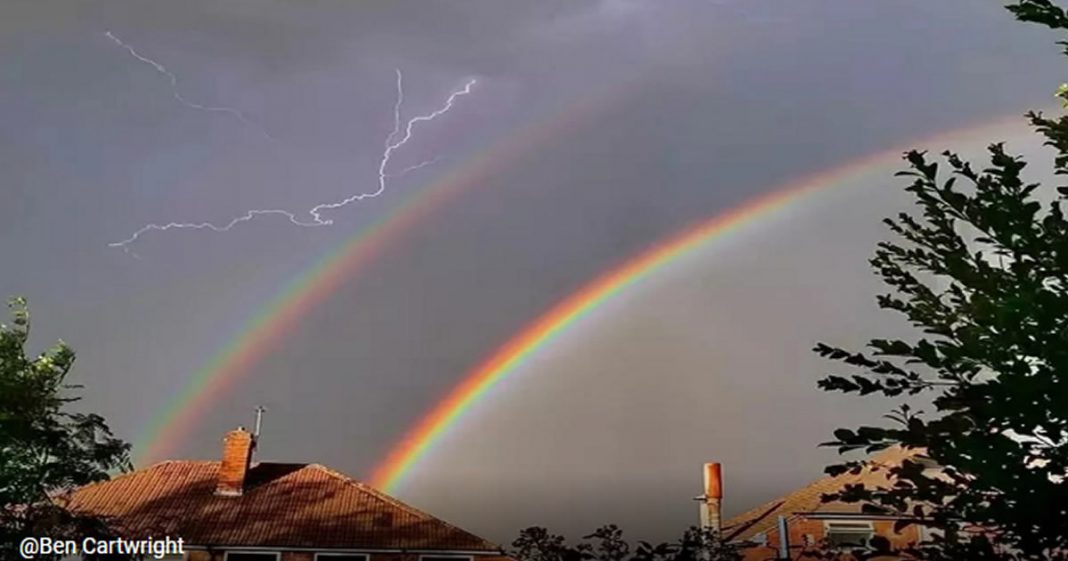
(808, 499)
(284, 505)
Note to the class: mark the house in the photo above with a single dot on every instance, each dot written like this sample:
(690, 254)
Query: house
(240, 510)
(804, 519)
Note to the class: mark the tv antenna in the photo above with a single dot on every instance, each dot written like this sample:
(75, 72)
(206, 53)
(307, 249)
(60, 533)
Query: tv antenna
(260, 410)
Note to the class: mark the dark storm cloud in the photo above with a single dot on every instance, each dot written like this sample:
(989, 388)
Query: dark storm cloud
(725, 99)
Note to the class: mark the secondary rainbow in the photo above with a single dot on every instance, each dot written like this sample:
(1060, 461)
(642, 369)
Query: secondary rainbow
(420, 439)
(269, 325)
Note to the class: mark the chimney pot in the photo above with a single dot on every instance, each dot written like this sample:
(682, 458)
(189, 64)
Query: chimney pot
(237, 455)
(713, 481)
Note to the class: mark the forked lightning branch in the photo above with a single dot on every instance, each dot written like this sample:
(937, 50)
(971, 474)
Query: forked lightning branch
(401, 134)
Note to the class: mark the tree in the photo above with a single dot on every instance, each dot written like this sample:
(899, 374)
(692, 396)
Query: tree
(607, 544)
(981, 271)
(45, 450)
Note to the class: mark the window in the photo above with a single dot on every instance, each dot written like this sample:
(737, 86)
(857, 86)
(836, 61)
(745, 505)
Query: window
(849, 534)
(251, 556)
(340, 557)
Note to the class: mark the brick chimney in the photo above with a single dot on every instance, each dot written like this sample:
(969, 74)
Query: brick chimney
(711, 501)
(237, 455)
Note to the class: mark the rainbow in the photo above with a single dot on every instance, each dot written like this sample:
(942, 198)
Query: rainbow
(507, 359)
(272, 322)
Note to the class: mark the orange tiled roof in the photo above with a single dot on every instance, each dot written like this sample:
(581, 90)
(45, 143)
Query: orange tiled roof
(284, 505)
(808, 499)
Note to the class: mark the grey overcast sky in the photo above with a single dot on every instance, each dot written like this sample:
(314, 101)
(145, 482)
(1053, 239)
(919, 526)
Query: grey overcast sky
(710, 103)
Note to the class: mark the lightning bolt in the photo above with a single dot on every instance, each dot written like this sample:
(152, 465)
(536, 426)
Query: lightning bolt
(392, 145)
(177, 94)
(400, 136)
(410, 169)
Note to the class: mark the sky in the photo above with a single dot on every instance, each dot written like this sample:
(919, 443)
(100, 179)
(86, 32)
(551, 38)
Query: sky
(686, 109)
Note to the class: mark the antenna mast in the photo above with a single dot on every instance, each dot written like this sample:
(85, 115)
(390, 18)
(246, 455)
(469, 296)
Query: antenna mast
(259, 420)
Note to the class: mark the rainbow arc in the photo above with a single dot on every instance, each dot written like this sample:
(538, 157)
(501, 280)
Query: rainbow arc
(269, 325)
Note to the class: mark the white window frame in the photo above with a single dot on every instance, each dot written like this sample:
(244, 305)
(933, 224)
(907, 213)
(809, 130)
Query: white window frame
(319, 555)
(869, 525)
(226, 553)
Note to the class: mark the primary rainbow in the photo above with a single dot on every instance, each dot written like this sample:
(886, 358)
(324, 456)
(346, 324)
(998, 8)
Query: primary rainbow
(420, 439)
(271, 323)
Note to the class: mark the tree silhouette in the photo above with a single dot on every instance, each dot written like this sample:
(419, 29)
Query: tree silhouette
(45, 450)
(607, 544)
(981, 271)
